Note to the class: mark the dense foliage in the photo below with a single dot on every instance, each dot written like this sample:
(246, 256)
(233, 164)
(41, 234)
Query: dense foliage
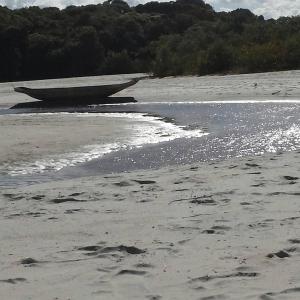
(170, 38)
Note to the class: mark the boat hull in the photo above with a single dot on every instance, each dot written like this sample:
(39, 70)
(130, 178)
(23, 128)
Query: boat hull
(75, 95)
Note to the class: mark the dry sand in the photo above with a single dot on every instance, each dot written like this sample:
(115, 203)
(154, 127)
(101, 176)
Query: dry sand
(227, 230)
(257, 86)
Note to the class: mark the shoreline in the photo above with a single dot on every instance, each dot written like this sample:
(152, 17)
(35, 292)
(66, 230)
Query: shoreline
(38, 142)
(224, 230)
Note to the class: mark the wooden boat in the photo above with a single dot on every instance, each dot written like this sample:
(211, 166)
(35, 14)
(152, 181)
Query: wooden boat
(77, 95)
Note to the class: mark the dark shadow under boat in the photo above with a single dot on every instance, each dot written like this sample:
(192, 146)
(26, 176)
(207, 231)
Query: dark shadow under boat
(76, 96)
(71, 103)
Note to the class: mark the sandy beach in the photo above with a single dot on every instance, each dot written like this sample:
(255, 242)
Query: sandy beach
(217, 230)
(227, 230)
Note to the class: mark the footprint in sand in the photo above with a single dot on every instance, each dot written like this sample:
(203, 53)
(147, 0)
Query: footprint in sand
(123, 184)
(13, 280)
(145, 181)
(29, 261)
(279, 254)
(294, 241)
(214, 297)
(73, 211)
(232, 275)
(98, 249)
(217, 229)
(269, 296)
(63, 200)
(290, 177)
(131, 272)
(144, 265)
(153, 297)
(203, 200)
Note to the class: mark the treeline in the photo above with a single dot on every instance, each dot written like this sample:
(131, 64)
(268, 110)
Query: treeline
(168, 38)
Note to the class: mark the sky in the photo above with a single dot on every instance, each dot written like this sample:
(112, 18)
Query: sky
(267, 8)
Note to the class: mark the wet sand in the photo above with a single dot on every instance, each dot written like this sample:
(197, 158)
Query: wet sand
(32, 136)
(227, 230)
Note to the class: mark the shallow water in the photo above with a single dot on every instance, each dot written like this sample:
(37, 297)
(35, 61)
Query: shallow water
(164, 134)
(234, 130)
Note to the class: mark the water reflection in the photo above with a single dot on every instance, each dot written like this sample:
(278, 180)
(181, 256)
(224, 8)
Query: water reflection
(235, 130)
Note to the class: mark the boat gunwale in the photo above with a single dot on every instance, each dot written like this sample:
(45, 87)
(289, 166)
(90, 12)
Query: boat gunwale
(27, 89)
